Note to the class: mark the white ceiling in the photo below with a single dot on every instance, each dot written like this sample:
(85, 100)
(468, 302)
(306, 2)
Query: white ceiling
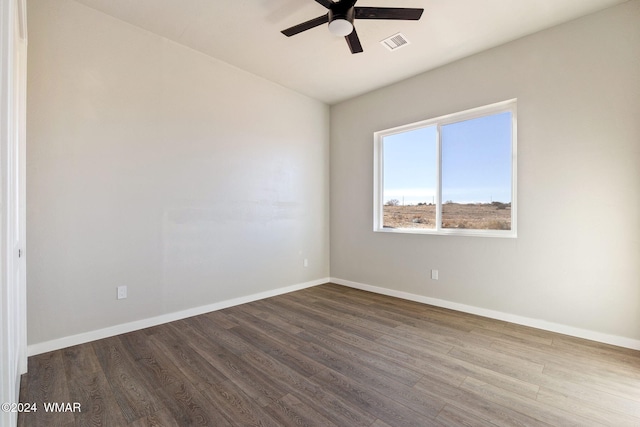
(246, 34)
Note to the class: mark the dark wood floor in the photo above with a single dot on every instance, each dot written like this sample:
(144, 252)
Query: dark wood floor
(331, 355)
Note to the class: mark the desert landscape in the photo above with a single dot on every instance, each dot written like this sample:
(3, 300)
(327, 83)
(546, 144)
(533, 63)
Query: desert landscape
(478, 216)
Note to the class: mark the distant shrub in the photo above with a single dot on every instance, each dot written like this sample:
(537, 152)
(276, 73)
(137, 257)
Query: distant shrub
(500, 205)
(393, 202)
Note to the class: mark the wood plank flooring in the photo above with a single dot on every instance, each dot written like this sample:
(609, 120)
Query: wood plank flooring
(334, 356)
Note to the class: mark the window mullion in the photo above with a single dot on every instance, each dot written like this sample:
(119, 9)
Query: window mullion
(438, 178)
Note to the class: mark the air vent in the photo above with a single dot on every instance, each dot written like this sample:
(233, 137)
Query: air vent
(394, 42)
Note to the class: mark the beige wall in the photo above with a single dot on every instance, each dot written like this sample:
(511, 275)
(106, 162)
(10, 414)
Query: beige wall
(576, 261)
(153, 166)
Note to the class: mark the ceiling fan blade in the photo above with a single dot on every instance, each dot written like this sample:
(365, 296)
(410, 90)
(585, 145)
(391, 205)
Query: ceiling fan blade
(354, 42)
(312, 23)
(408, 14)
(325, 3)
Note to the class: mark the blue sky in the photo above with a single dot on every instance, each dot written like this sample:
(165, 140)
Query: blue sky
(476, 162)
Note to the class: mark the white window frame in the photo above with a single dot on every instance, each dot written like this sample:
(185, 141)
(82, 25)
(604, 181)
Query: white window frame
(378, 168)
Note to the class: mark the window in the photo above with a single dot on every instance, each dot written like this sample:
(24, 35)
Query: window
(454, 174)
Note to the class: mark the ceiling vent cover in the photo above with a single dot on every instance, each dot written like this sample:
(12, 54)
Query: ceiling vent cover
(395, 42)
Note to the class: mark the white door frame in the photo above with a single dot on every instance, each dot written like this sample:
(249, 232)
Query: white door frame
(13, 343)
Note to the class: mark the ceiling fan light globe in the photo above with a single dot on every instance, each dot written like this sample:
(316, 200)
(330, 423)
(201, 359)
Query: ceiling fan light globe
(340, 27)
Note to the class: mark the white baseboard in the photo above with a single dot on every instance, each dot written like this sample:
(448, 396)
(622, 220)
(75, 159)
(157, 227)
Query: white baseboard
(507, 317)
(85, 337)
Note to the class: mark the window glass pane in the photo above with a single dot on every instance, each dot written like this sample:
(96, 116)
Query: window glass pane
(476, 173)
(409, 175)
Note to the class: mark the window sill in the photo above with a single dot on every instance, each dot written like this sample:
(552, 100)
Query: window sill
(450, 232)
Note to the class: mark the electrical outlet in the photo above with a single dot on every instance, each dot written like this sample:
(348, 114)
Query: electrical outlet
(122, 292)
(434, 274)
(305, 263)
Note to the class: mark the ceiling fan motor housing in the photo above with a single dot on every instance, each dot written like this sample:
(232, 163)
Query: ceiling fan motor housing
(341, 20)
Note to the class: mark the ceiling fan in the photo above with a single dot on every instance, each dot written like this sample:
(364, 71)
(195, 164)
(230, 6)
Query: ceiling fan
(341, 15)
